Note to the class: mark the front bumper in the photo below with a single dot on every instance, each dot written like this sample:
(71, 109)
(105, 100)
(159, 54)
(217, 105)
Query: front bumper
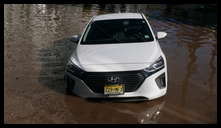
(148, 89)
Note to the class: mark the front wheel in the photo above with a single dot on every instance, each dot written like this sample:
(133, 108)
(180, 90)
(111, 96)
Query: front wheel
(69, 85)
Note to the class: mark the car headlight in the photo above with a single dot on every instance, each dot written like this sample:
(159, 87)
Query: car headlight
(156, 66)
(71, 65)
(74, 69)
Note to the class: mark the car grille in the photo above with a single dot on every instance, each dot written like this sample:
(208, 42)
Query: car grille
(97, 80)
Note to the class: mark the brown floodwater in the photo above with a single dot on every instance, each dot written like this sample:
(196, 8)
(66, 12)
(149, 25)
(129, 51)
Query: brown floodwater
(37, 45)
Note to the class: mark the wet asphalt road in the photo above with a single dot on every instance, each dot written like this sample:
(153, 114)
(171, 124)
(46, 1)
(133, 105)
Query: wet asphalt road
(37, 46)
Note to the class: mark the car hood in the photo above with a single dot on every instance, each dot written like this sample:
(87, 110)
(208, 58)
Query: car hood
(117, 57)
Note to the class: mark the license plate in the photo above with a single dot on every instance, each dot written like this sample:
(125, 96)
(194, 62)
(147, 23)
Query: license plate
(114, 89)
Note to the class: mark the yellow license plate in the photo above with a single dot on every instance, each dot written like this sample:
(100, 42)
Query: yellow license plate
(114, 89)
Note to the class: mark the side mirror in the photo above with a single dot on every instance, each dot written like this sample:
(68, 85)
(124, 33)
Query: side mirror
(161, 35)
(75, 38)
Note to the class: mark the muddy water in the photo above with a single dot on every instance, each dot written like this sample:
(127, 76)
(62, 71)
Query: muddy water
(37, 45)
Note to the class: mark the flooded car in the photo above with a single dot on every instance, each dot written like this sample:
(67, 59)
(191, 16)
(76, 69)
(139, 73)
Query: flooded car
(118, 56)
(38, 44)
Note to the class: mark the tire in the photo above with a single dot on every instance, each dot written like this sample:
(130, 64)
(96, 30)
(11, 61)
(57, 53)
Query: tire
(69, 86)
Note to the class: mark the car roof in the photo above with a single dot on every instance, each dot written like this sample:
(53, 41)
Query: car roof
(118, 16)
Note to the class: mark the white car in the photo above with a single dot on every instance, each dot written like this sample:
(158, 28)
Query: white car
(117, 57)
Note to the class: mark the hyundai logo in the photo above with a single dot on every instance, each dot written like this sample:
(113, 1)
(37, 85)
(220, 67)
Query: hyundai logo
(113, 79)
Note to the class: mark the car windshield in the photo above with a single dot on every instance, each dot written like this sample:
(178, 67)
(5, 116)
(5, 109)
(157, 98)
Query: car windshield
(117, 31)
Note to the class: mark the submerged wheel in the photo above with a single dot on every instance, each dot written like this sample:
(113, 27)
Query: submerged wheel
(69, 85)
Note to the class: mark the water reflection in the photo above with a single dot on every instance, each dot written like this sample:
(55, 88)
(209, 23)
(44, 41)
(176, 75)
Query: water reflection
(144, 113)
(101, 8)
(147, 115)
(192, 14)
(212, 66)
(54, 59)
(191, 68)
